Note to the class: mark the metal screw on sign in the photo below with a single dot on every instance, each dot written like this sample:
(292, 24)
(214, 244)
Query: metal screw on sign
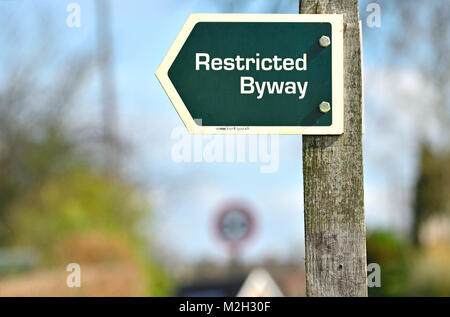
(324, 41)
(324, 107)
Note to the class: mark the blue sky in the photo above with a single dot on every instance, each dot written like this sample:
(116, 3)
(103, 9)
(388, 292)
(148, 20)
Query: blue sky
(186, 195)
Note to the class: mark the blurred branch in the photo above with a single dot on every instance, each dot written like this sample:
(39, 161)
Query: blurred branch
(105, 49)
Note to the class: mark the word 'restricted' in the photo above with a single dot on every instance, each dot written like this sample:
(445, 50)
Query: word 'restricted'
(248, 84)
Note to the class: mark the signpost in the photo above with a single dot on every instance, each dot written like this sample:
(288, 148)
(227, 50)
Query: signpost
(257, 74)
(335, 231)
(288, 74)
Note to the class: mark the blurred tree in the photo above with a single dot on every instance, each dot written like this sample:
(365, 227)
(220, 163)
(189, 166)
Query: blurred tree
(35, 139)
(414, 42)
(418, 43)
(432, 192)
(53, 195)
(430, 58)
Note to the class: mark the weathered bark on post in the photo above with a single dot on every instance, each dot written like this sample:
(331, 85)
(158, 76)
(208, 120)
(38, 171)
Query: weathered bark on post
(335, 231)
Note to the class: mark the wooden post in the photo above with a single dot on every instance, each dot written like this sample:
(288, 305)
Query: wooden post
(335, 232)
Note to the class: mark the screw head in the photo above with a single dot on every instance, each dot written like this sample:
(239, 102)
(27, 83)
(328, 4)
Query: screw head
(324, 107)
(324, 41)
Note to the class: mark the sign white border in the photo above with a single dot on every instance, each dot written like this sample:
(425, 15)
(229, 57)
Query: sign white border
(337, 126)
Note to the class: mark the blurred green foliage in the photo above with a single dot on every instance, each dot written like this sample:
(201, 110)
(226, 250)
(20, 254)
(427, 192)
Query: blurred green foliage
(407, 270)
(78, 200)
(393, 255)
(26, 162)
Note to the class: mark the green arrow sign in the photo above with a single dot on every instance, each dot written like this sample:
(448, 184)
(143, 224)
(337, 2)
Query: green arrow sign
(250, 74)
